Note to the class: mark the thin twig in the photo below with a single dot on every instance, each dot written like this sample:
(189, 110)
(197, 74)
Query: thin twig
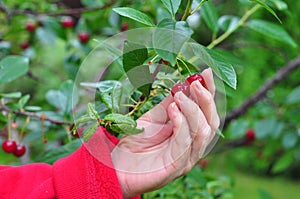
(262, 91)
(39, 116)
(4, 9)
(187, 11)
(74, 11)
(240, 23)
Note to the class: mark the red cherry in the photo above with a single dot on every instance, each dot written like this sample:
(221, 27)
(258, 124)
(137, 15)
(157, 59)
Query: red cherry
(250, 136)
(83, 37)
(19, 150)
(30, 26)
(195, 77)
(124, 27)
(67, 22)
(25, 45)
(203, 163)
(180, 87)
(9, 146)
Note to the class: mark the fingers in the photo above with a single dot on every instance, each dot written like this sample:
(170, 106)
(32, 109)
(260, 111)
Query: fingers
(181, 139)
(208, 77)
(200, 130)
(206, 103)
(191, 111)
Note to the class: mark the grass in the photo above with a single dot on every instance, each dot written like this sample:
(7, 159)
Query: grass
(251, 186)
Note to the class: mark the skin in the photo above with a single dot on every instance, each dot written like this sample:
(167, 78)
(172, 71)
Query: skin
(176, 134)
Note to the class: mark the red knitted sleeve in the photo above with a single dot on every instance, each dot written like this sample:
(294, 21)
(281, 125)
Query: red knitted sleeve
(83, 174)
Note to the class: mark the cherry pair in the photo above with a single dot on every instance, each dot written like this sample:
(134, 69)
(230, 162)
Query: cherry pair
(184, 87)
(10, 146)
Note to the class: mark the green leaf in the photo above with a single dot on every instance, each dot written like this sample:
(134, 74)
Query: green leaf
(271, 30)
(23, 101)
(290, 140)
(53, 27)
(284, 162)
(11, 95)
(82, 119)
(279, 4)
(121, 124)
(70, 92)
(216, 62)
(90, 132)
(119, 118)
(32, 108)
(93, 114)
(265, 6)
(172, 6)
(210, 16)
(108, 92)
(228, 22)
(141, 78)
(5, 48)
(238, 128)
(126, 129)
(56, 153)
(12, 67)
(162, 14)
(46, 35)
(294, 96)
(111, 100)
(268, 127)
(134, 55)
(63, 98)
(57, 99)
(3, 118)
(135, 15)
(169, 38)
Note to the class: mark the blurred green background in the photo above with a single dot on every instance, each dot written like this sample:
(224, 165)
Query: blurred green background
(259, 157)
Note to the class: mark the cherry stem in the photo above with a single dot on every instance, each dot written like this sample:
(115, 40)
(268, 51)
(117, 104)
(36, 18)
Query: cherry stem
(187, 11)
(198, 6)
(189, 71)
(9, 125)
(136, 107)
(152, 60)
(24, 126)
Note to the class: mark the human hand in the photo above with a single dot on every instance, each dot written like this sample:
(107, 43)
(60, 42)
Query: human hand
(176, 134)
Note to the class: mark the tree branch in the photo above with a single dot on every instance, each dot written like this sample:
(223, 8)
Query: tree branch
(4, 9)
(35, 115)
(262, 91)
(74, 11)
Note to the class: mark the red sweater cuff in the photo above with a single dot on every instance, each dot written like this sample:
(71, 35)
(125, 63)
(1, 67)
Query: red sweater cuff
(89, 171)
